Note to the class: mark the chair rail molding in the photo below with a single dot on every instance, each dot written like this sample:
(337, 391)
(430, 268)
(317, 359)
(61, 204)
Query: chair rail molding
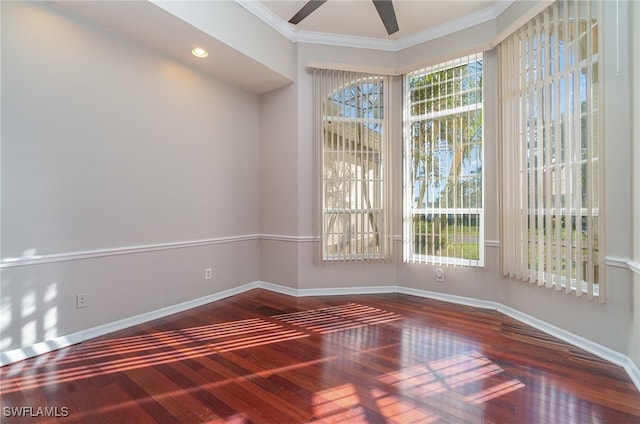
(34, 259)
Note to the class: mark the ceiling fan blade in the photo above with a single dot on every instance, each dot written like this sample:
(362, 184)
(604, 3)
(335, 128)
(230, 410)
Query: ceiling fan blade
(387, 14)
(306, 11)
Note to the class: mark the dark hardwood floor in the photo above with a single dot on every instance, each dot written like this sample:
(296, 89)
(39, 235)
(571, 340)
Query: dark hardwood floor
(263, 357)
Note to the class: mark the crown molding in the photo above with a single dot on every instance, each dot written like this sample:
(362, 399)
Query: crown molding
(340, 40)
(462, 23)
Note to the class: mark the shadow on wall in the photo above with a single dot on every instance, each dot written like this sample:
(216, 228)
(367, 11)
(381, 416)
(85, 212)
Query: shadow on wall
(28, 315)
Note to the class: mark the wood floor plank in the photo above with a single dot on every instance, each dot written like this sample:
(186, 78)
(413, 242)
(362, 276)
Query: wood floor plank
(264, 357)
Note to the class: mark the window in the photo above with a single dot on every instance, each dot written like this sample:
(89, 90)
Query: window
(352, 149)
(443, 222)
(552, 180)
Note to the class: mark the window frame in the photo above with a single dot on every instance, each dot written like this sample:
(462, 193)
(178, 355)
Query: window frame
(433, 240)
(364, 212)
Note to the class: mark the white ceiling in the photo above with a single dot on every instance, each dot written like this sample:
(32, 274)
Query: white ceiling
(337, 22)
(356, 22)
(359, 18)
(146, 22)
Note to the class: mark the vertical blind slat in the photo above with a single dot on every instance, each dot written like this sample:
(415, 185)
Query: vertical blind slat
(602, 287)
(577, 154)
(589, 135)
(557, 146)
(540, 152)
(567, 153)
(548, 163)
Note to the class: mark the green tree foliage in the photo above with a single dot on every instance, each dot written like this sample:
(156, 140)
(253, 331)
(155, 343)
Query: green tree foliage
(446, 121)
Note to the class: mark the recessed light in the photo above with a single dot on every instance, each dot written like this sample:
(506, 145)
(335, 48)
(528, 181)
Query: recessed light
(199, 52)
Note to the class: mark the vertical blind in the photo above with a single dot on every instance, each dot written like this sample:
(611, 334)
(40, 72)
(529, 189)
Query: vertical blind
(351, 145)
(443, 211)
(551, 150)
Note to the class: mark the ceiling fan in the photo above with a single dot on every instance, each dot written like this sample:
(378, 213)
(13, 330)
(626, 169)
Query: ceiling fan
(384, 8)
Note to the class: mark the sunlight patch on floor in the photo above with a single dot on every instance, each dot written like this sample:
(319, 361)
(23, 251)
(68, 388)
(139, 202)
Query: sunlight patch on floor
(156, 349)
(339, 318)
(473, 375)
(402, 410)
(334, 404)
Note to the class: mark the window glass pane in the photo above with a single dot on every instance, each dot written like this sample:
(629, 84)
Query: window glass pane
(453, 236)
(443, 217)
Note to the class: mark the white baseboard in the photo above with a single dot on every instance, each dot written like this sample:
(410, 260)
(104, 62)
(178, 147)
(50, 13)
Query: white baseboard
(336, 291)
(633, 371)
(564, 335)
(459, 300)
(599, 350)
(603, 352)
(341, 291)
(289, 291)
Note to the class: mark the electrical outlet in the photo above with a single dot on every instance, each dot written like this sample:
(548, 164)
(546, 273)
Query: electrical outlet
(208, 273)
(82, 300)
(439, 275)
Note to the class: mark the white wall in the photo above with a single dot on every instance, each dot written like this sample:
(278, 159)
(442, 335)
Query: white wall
(278, 187)
(634, 333)
(114, 152)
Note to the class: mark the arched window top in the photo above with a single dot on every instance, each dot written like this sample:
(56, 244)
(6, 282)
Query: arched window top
(361, 98)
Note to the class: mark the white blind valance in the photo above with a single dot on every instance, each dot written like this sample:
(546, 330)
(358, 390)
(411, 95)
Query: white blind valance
(352, 68)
